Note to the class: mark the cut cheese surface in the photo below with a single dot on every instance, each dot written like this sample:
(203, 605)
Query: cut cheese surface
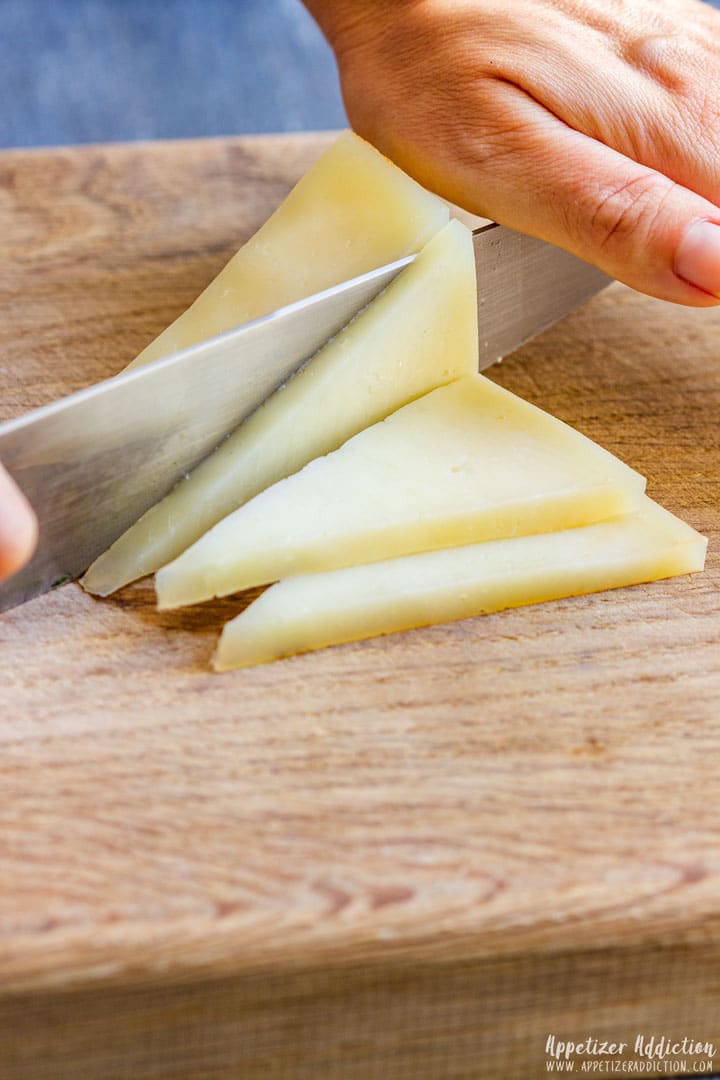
(420, 333)
(352, 212)
(315, 610)
(467, 462)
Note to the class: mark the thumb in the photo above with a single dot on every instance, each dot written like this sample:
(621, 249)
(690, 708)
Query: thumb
(18, 527)
(633, 222)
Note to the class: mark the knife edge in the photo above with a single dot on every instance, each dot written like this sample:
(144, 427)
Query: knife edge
(92, 463)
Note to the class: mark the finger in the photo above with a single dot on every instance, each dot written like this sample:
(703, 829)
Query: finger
(18, 527)
(530, 171)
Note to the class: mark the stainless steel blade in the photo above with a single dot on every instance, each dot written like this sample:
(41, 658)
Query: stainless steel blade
(93, 462)
(524, 286)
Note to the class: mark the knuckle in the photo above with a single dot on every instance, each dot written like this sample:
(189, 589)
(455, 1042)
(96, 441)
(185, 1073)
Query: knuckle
(629, 209)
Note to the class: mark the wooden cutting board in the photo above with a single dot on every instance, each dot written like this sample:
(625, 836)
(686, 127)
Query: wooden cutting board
(413, 857)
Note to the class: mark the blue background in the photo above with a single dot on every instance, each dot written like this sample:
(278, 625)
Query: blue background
(97, 70)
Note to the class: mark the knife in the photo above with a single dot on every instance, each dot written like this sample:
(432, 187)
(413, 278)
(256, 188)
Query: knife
(92, 463)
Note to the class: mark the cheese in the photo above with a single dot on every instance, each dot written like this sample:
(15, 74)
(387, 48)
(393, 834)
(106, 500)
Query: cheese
(315, 610)
(467, 462)
(420, 333)
(352, 212)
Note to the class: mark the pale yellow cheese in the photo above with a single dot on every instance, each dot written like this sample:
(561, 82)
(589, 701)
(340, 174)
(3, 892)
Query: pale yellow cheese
(467, 462)
(315, 610)
(352, 212)
(420, 333)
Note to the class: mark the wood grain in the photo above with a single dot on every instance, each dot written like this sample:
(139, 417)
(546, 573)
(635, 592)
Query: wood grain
(415, 856)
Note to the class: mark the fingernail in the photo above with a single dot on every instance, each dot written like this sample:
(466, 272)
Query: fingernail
(697, 259)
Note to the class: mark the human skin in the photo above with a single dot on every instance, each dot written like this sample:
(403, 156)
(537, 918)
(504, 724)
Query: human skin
(594, 124)
(18, 527)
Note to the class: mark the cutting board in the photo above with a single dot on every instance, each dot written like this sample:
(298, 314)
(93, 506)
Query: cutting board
(415, 857)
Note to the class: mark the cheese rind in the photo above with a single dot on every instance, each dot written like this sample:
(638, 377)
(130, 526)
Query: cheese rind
(467, 462)
(352, 212)
(419, 333)
(315, 610)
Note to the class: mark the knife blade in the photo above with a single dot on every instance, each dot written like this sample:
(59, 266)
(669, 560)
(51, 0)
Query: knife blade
(93, 462)
(525, 285)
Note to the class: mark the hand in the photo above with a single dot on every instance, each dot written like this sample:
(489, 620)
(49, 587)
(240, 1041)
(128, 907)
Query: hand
(595, 125)
(18, 527)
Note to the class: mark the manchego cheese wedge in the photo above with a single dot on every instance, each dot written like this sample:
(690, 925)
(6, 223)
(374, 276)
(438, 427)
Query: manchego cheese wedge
(352, 212)
(315, 610)
(467, 462)
(420, 333)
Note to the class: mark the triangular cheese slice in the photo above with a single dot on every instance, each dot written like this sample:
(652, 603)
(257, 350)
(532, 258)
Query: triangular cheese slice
(467, 462)
(421, 332)
(352, 212)
(315, 610)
